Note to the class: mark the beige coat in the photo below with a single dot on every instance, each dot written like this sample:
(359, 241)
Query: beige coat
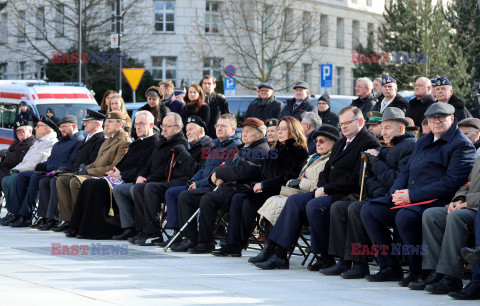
(471, 194)
(273, 206)
(110, 153)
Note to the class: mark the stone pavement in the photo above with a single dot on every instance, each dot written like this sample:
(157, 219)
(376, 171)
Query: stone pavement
(127, 274)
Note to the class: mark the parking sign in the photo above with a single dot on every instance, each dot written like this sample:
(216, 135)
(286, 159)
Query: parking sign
(229, 85)
(326, 75)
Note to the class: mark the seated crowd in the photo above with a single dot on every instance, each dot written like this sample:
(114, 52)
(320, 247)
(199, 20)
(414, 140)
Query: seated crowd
(385, 179)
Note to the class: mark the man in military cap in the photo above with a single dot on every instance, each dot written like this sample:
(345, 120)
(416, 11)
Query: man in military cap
(471, 128)
(373, 124)
(265, 106)
(439, 166)
(110, 153)
(300, 104)
(391, 97)
(24, 114)
(444, 92)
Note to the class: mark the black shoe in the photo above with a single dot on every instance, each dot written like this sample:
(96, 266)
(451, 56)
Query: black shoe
(322, 263)
(470, 292)
(430, 278)
(202, 248)
(70, 233)
(62, 227)
(134, 238)
(388, 274)
(183, 246)
(8, 219)
(339, 268)
(471, 255)
(445, 285)
(48, 225)
(229, 250)
(146, 239)
(165, 243)
(39, 222)
(264, 255)
(274, 262)
(22, 222)
(357, 271)
(411, 277)
(127, 233)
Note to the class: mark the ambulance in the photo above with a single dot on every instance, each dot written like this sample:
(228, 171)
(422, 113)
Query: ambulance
(63, 98)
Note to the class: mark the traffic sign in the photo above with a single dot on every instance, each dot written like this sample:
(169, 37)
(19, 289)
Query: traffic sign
(229, 86)
(326, 75)
(133, 76)
(230, 71)
(114, 41)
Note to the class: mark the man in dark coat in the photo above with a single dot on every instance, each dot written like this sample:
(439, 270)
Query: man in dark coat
(475, 112)
(224, 183)
(438, 167)
(338, 181)
(444, 92)
(298, 105)
(325, 112)
(148, 191)
(311, 122)
(217, 103)
(391, 97)
(365, 101)
(86, 154)
(346, 228)
(27, 185)
(51, 115)
(265, 106)
(17, 150)
(25, 113)
(169, 99)
(423, 99)
(94, 206)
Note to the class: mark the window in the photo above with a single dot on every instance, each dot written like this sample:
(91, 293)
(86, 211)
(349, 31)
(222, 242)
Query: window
(164, 16)
(307, 27)
(40, 25)
(340, 33)
(60, 20)
(21, 70)
(355, 34)
(288, 70)
(3, 28)
(212, 16)
(113, 16)
(289, 33)
(340, 80)
(268, 21)
(213, 66)
(22, 26)
(3, 71)
(164, 68)
(371, 34)
(307, 68)
(7, 115)
(324, 30)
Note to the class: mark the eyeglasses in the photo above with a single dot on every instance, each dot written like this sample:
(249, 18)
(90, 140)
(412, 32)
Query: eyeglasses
(167, 126)
(358, 87)
(41, 125)
(223, 126)
(346, 122)
(440, 118)
(322, 103)
(21, 131)
(264, 90)
(140, 124)
(320, 141)
(62, 127)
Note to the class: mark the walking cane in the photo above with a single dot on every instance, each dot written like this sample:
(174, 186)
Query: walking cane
(172, 162)
(365, 160)
(180, 231)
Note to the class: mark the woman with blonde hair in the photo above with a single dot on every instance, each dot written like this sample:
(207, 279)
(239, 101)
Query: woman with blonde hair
(106, 100)
(284, 163)
(117, 104)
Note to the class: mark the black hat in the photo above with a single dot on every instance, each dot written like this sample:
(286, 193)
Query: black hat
(325, 97)
(471, 122)
(267, 85)
(440, 108)
(388, 79)
(153, 90)
(328, 131)
(197, 120)
(272, 122)
(442, 81)
(24, 122)
(69, 119)
(49, 110)
(393, 113)
(301, 84)
(93, 115)
(50, 123)
(24, 103)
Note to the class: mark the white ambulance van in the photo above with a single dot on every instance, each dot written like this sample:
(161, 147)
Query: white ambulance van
(63, 98)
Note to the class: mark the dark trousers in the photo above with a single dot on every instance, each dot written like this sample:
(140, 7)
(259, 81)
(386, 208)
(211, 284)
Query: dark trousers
(148, 199)
(377, 219)
(297, 210)
(171, 199)
(188, 204)
(476, 267)
(48, 201)
(26, 189)
(346, 228)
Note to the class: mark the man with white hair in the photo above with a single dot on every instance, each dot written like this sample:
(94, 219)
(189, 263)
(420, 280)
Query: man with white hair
(423, 99)
(444, 92)
(391, 96)
(310, 122)
(365, 101)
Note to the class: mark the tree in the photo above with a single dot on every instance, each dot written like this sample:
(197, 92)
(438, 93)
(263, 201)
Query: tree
(365, 66)
(264, 39)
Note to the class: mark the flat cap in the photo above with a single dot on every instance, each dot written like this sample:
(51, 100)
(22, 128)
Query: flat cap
(255, 123)
(116, 115)
(267, 85)
(440, 108)
(471, 122)
(301, 84)
(396, 114)
(197, 120)
(93, 115)
(69, 119)
(442, 81)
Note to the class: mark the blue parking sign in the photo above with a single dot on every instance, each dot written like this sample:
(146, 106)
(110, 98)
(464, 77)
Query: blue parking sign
(229, 84)
(326, 75)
